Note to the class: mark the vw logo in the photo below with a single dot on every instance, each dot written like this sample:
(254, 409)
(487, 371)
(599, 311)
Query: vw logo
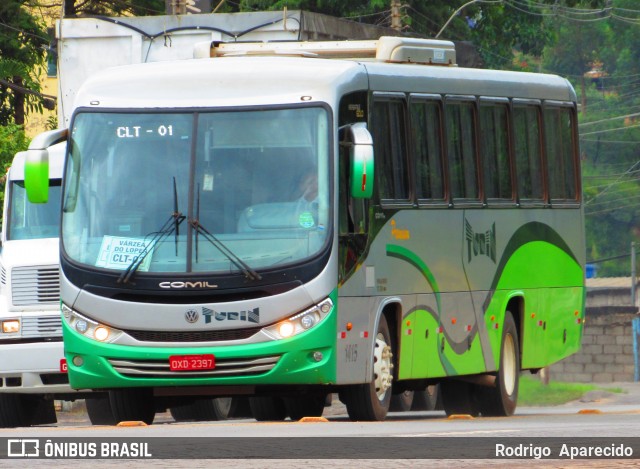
(191, 316)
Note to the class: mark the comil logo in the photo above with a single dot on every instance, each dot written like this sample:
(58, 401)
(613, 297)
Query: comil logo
(23, 448)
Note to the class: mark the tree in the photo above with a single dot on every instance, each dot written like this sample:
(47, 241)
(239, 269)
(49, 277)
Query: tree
(23, 40)
(114, 7)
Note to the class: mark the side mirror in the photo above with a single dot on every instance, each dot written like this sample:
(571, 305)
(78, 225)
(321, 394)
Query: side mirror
(361, 161)
(36, 176)
(36, 167)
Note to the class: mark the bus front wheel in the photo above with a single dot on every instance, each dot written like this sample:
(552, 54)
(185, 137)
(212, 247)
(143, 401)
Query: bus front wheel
(132, 404)
(370, 401)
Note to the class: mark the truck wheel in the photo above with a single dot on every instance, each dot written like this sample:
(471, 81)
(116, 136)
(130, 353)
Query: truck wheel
(23, 410)
(265, 408)
(458, 397)
(501, 400)
(132, 404)
(307, 405)
(99, 410)
(401, 402)
(427, 399)
(370, 401)
(13, 411)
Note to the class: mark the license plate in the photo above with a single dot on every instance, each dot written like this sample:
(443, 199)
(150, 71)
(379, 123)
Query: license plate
(191, 362)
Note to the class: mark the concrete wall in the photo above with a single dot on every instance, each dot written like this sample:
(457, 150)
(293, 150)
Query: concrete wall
(607, 352)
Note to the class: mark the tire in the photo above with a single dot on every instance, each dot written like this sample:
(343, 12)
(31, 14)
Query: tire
(13, 412)
(223, 407)
(203, 410)
(132, 404)
(307, 405)
(501, 400)
(240, 409)
(268, 409)
(458, 398)
(22, 410)
(371, 401)
(99, 411)
(427, 399)
(401, 402)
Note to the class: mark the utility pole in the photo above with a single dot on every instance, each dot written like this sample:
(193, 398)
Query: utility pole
(633, 273)
(396, 19)
(176, 7)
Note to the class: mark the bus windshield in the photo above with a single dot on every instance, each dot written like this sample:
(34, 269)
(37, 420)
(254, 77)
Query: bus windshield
(33, 221)
(217, 192)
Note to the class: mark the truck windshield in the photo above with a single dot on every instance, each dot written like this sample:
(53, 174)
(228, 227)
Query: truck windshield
(33, 221)
(256, 181)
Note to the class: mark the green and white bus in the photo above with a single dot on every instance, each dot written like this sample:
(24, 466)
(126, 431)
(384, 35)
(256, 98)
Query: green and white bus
(437, 236)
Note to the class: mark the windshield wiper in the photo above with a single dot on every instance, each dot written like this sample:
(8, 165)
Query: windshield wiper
(171, 225)
(239, 263)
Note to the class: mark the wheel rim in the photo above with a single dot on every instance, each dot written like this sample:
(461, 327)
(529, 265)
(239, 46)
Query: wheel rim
(382, 367)
(509, 366)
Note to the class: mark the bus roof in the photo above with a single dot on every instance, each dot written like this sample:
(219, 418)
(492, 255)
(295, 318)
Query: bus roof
(259, 80)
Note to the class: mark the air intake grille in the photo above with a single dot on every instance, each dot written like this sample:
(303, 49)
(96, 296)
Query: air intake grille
(42, 326)
(35, 285)
(193, 336)
(224, 368)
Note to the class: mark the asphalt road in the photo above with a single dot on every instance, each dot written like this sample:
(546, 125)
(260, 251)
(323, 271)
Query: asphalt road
(598, 415)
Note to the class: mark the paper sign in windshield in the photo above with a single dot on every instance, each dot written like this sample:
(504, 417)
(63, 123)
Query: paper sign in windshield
(118, 253)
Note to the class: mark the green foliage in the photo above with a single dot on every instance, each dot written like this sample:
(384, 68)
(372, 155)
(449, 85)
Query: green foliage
(12, 140)
(533, 393)
(110, 7)
(23, 40)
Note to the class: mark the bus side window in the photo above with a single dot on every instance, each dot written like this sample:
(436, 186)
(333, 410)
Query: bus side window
(426, 128)
(390, 149)
(461, 149)
(496, 164)
(528, 153)
(561, 157)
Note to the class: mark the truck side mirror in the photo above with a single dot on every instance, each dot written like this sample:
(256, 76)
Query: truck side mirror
(361, 161)
(36, 167)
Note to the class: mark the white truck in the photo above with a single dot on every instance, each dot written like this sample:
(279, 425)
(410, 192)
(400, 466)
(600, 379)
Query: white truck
(32, 368)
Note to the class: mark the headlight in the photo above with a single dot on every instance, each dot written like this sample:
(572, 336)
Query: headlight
(12, 326)
(89, 328)
(300, 322)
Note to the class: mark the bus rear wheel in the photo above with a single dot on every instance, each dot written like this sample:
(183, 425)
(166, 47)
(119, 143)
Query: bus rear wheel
(132, 404)
(427, 399)
(371, 401)
(402, 402)
(458, 398)
(501, 400)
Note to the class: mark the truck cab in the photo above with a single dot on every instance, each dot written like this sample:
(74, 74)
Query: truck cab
(32, 369)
